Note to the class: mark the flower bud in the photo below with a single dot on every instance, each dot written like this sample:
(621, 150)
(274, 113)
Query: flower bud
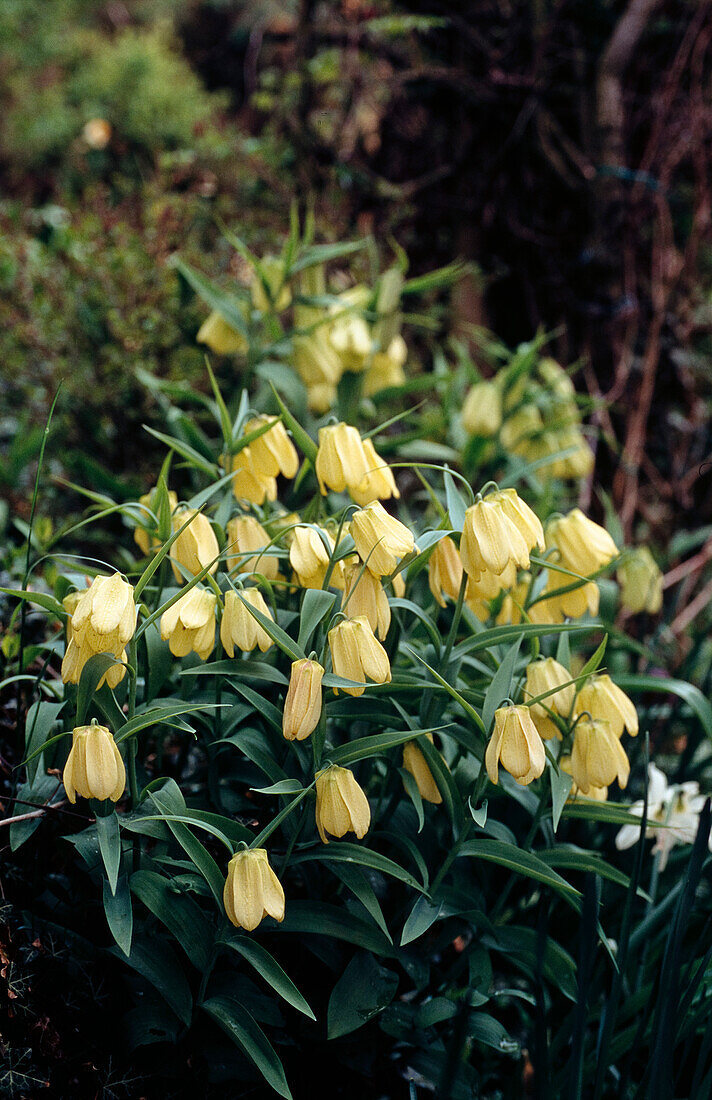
(601, 698)
(219, 335)
(239, 627)
(364, 597)
(415, 763)
(146, 535)
(491, 541)
(245, 535)
(272, 453)
(381, 541)
(445, 571)
(302, 707)
(196, 546)
(341, 805)
(249, 483)
(597, 758)
(386, 369)
(252, 890)
(310, 558)
(357, 655)
(543, 676)
(276, 295)
(189, 624)
(641, 582)
(94, 767)
(482, 410)
(516, 744)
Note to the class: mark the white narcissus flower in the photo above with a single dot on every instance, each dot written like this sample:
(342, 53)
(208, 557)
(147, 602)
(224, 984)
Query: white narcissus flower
(675, 806)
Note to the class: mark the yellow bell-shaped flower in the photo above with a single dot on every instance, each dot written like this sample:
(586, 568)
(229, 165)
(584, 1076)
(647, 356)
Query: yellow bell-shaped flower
(482, 410)
(341, 460)
(381, 541)
(365, 597)
(195, 547)
(146, 536)
(445, 571)
(309, 558)
(220, 336)
(341, 805)
(357, 655)
(601, 698)
(386, 369)
(516, 745)
(189, 624)
(379, 483)
(246, 535)
(544, 676)
(272, 453)
(103, 621)
(583, 546)
(94, 767)
(239, 627)
(415, 763)
(597, 758)
(491, 541)
(249, 483)
(641, 582)
(302, 707)
(252, 890)
(598, 794)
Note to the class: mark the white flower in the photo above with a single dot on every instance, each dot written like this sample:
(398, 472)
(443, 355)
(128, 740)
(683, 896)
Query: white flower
(675, 806)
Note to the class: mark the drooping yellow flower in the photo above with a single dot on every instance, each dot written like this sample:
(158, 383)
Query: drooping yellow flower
(341, 460)
(341, 805)
(349, 333)
(491, 541)
(641, 582)
(597, 758)
(190, 624)
(516, 744)
(246, 535)
(415, 763)
(220, 336)
(365, 597)
(103, 621)
(571, 605)
(94, 767)
(239, 627)
(583, 546)
(445, 571)
(302, 707)
(386, 369)
(310, 558)
(601, 698)
(248, 482)
(379, 483)
(146, 536)
(357, 655)
(598, 794)
(482, 410)
(272, 453)
(556, 379)
(381, 541)
(196, 546)
(319, 368)
(252, 890)
(524, 519)
(542, 676)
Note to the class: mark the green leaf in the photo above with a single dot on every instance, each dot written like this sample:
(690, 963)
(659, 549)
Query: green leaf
(237, 1022)
(363, 747)
(613, 813)
(155, 961)
(518, 860)
(178, 912)
(354, 879)
(500, 687)
(483, 1028)
(573, 858)
(303, 440)
(193, 848)
(423, 914)
(269, 969)
(338, 851)
(41, 790)
(188, 453)
(561, 785)
(162, 716)
(316, 605)
(364, 989)
(96, 667)
(284, 786)
(322, 919)
(249, 669)
(278, 636)
(40, 598)
(119, 916)
(324, 253)
(688, 693)
(41, 717)
(212, 295)
(456, 506)
(107, 829)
